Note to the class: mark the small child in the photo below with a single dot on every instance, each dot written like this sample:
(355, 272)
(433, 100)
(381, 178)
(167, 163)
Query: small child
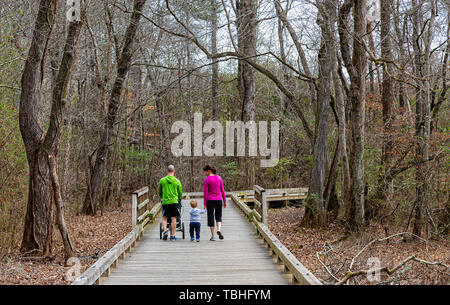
(195, 220)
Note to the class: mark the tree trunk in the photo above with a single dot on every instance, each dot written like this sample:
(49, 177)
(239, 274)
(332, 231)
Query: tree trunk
(435, 106)
(247, 34)
(423, 94)
(68, 248)
(387, 98)
(92, 198)
(400, 31)
(330, 197)
(39, 215)
(315, 213)
(43, 192)
(387, 101)
(286, 79)
(342, 129)
(39, 218)
(247, 31)
(215, 67)
(355, 217)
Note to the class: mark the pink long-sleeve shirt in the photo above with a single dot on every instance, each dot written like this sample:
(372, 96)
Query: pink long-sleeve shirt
(213, 189)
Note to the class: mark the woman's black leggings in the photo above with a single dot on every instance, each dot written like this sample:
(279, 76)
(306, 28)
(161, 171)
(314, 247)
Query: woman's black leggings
(214, 208)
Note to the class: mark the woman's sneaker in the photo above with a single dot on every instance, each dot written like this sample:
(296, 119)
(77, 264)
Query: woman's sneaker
(173, 238)
(220, 234)
(213, 238)
(192, 239)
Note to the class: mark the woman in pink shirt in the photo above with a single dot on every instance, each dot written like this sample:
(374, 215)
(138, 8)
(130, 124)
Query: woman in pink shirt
(213, 194)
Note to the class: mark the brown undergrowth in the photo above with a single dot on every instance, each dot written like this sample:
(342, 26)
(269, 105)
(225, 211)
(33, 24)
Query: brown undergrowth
(337, 253)
(91, 237)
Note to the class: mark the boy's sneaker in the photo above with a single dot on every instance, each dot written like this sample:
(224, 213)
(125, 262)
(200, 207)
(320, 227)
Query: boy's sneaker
(192, 239)
(165, 234)
(220, 234)
(213, 238)
(173, 238)
(198, 240)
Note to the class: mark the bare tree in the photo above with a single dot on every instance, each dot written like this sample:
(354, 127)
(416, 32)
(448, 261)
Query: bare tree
(39, 216)
(422, 37)
(282, 14)
(387, 97)
(316, 210)
(356, 65)
(215, 67)
(246, 21)
(42, 148)
(91, 200)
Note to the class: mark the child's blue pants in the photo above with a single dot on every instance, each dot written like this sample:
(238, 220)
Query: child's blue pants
(194, 226)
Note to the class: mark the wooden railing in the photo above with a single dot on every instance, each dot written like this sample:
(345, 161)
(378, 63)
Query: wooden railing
(190, 195)
(275, 196)
(300, 274)
(141, 216)
(260, 204)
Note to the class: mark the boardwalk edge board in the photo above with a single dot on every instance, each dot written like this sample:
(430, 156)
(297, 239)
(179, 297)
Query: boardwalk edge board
(104, 264)
(301, 274)
(93, 273)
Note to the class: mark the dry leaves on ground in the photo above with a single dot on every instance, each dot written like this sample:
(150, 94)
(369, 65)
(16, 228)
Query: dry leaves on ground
(306, 244)
(92, 236)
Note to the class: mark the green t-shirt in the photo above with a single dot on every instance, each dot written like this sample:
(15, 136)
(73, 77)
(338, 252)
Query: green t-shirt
(170, 190)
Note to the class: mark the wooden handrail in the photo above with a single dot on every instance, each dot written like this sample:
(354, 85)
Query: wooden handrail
(260, 203)
(140, 206)
(141, 191)
(269, 192)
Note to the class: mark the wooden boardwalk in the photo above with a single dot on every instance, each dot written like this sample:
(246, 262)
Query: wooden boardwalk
(240, 258)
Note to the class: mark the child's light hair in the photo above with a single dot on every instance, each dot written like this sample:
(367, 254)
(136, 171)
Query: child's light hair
(194, 204)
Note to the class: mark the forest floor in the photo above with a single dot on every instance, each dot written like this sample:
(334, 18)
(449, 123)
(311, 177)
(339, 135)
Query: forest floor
(91, 238)
(337, 255)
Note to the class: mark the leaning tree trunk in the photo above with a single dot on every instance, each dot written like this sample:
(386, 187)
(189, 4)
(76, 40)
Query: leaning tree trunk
(60, 222)
(39, 215)
(92, 197)
(44, 189)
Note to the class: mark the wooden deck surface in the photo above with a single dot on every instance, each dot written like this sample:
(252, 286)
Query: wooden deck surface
(238, 259)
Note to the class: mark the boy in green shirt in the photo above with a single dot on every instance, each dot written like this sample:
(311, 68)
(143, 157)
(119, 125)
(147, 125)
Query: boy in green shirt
(170, 192)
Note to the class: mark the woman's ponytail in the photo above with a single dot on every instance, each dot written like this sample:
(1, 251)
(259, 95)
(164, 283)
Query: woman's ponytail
(213, 169)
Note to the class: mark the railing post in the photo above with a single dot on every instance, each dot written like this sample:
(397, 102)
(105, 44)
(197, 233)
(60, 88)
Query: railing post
(260, 203)
(134, 200)
(264, 206)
